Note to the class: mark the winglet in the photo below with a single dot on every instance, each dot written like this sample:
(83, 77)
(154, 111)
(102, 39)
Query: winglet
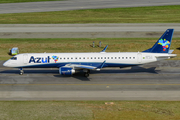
(102, 65)
(104, 49)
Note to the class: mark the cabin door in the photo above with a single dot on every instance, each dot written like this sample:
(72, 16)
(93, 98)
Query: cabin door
(25, 58)
(139, 57)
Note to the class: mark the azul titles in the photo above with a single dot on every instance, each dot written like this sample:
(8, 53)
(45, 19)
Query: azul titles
(39, 59)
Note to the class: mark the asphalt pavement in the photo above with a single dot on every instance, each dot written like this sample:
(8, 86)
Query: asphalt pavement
(121, 30)
(154, 81)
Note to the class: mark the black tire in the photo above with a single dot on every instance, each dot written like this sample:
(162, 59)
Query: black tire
(21, 73)
(86, 74)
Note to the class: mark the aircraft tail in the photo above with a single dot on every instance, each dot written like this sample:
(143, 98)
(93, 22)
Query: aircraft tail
(163, 44)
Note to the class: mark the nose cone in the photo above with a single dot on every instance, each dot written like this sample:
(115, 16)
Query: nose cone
(5, 64)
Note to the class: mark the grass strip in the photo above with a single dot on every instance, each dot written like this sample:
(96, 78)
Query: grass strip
(17, 1)
(155, 14)
(90, 110)
(72, 45)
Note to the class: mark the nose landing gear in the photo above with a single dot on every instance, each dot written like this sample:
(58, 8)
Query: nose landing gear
(21, 71)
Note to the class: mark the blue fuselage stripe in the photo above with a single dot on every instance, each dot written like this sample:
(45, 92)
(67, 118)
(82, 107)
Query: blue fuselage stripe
(57, 65)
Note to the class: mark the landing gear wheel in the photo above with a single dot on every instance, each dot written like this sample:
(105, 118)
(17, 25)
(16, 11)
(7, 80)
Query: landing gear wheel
(21, 71)
(86, 74)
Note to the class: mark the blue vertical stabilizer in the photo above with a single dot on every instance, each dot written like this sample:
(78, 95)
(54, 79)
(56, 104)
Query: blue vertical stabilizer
(163, 44)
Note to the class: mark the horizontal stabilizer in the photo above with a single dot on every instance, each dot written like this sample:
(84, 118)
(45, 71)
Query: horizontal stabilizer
(166, 56)
(170, 51)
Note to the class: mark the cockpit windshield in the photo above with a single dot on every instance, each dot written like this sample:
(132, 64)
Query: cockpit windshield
(14, 58)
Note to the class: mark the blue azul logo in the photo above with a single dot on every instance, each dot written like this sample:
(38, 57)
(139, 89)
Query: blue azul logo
(55, 58)
(165, 44)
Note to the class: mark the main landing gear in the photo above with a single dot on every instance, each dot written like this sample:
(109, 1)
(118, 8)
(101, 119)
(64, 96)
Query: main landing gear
(86, 73)
(21, 71)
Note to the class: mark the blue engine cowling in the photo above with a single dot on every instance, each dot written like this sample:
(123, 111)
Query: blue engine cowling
(66, 71)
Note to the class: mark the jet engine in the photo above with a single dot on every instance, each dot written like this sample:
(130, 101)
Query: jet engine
(66, 71)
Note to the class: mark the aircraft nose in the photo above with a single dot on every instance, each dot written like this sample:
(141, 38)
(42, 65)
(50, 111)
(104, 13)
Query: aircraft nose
(5, 64)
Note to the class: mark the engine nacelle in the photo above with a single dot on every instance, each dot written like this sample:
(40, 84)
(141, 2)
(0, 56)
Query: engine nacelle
(66, 71)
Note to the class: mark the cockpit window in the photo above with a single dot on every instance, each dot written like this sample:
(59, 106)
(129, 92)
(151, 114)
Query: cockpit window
(14, 58)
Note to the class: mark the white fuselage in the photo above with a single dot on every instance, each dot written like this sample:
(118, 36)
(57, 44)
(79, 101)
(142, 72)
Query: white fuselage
(112, 59)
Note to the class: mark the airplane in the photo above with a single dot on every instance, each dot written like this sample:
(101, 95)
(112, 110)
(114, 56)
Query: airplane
(69, 63)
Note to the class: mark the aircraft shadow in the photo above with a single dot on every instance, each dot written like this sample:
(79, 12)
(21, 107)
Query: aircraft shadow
(132, 70)
(80, 75)
(178, 48)
(31, 71)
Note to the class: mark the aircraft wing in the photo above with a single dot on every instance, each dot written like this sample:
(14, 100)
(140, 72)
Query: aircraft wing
(77, 66)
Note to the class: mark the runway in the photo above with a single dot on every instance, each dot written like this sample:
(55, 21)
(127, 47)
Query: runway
(138, 83)
(79, 4)
(124, 30)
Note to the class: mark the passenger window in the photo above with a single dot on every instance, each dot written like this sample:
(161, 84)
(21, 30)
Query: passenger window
(126, 57)
(14, 58)
(129, 57)
(111, 57)
(115, 57)
(108, 57)
(101, 57)
(122, 57)
(98, 57)
(119, 57)
(133, 57)
(84, 58)
(71, 58)
(104, 57)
